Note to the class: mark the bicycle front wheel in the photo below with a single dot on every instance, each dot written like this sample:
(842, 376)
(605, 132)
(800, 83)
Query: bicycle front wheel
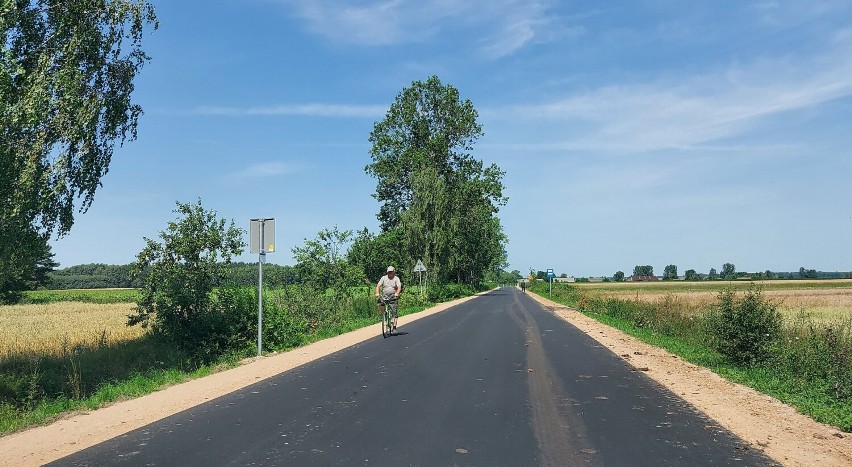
(384, 326)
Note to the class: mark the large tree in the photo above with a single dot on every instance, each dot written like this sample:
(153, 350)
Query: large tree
(729, 271)
(66, 78)
(643, 270)
(442, 200)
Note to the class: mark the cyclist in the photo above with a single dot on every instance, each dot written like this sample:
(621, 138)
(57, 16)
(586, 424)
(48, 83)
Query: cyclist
(389, 287)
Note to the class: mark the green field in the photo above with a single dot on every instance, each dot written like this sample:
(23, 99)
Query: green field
(82, 295)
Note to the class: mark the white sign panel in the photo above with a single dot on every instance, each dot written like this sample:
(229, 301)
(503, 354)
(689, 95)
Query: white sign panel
(262, 235)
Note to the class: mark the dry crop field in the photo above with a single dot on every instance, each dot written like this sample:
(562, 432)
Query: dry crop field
(824, 300)
(55, 328)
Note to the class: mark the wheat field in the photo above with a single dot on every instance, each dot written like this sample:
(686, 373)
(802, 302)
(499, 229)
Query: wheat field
(56, 328)
(824, 304)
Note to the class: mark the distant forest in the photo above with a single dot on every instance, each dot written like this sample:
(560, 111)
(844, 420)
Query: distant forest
(103, 276)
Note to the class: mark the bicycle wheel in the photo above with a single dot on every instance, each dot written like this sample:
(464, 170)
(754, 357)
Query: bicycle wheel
(384, 325)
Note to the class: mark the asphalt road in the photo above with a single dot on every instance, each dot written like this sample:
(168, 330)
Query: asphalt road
(498, 380)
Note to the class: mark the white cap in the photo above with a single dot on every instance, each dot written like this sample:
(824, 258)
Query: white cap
(391, 269)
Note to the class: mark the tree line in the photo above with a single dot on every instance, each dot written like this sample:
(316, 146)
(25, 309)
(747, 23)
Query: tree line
(729, 272)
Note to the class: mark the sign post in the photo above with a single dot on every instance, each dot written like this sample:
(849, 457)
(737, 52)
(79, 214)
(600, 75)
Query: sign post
(261, 241)
(419, 268)
(550, 275)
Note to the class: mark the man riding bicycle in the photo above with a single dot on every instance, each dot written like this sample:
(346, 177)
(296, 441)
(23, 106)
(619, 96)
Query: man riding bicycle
(389, 288)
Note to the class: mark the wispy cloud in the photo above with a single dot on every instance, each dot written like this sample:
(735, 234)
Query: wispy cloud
(497, 27)
(685, 111)
(305, 110)
(264, 170)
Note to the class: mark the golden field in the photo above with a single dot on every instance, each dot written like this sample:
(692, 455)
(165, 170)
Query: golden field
(54, 328)
(824, 301)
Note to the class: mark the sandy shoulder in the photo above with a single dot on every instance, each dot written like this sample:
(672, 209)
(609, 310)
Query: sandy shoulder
(43, 444)
(765, 423)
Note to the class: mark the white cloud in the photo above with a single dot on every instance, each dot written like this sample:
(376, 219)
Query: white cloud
(498, 27)
(264, 170)
(683, 112)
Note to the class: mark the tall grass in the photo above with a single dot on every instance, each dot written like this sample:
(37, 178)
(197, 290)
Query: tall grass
(809, 365)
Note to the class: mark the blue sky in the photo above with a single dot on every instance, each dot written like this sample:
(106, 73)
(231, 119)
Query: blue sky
(632, 132)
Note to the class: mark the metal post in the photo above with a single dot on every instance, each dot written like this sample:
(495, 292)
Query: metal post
(261, 245)
(260, 302)
(551, 287)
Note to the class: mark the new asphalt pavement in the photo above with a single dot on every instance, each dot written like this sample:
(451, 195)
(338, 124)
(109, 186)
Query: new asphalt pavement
(495, 381)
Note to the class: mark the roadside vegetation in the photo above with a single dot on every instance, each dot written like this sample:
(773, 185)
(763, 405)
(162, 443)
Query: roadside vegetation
(741, 335)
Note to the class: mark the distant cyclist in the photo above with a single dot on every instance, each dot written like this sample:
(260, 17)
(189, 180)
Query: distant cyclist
(389, 287)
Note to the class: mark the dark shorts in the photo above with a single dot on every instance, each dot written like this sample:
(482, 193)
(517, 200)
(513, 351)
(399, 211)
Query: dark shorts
(392, 301)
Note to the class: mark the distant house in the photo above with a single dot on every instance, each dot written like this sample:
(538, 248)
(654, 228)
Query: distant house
(564, 279)
(642, 278)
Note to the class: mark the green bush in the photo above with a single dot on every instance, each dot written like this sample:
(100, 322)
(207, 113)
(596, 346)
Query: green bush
(181, 273)
(745, 329)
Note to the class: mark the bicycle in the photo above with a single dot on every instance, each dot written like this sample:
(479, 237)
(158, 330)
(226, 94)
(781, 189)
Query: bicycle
(387, 317)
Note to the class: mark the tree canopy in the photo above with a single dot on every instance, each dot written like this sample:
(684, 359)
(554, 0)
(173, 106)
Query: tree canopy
(441, 199)
(66, 79)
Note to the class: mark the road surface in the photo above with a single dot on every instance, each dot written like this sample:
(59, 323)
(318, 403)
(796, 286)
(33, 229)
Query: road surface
(498, 380)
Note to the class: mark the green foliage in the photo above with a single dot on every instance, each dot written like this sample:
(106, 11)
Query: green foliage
(372, 254)
(690, 275)
(66, 76)
(25, 263)
(729, 272)
(713, 275)
(745, 329)
(442, 200)
(670, 272)
(813, 352)
(87, 296)
(322, 261)
(180, 275)
(808, 273)
(618, 276)
(95, 276)
(645, 270)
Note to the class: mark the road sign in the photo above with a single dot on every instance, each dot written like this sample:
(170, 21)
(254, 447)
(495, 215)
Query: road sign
(262, 235)
(550, 274)
(419, 267)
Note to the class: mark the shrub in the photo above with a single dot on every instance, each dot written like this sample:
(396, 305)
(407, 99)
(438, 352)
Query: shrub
(180, 276)
(745, 329)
